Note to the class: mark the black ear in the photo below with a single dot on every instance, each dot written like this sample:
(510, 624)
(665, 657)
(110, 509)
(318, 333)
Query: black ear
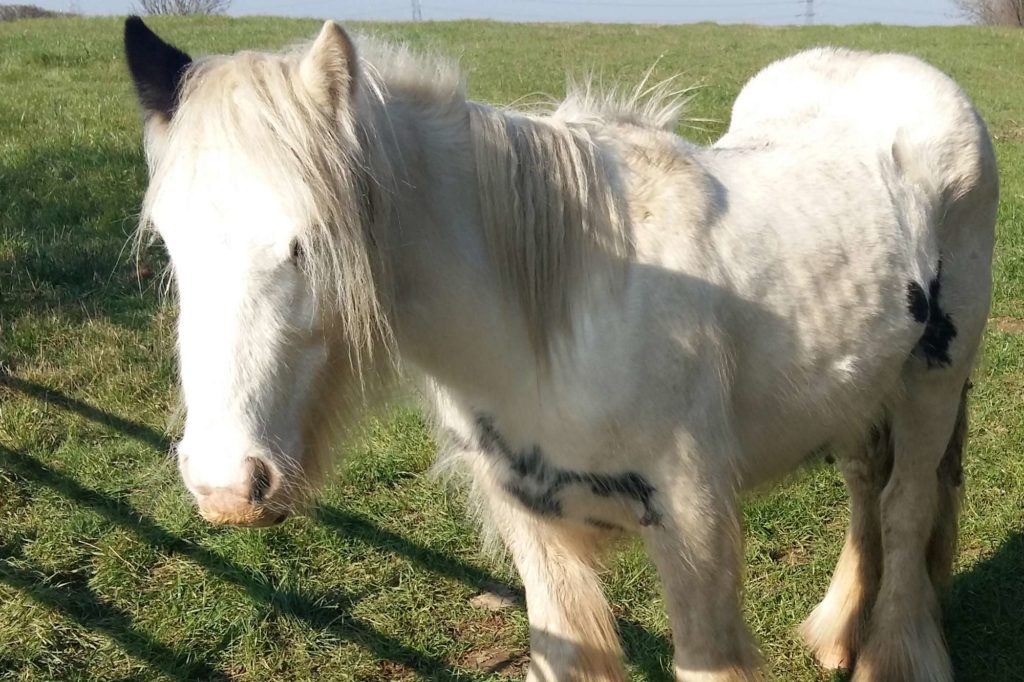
(157, 67)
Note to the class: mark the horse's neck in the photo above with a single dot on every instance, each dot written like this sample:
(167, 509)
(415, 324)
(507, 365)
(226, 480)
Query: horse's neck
(450, 318)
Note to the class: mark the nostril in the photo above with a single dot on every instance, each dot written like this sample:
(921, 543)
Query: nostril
(261, 483)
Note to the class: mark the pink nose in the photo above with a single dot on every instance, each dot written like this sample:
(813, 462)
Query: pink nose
(253, 502)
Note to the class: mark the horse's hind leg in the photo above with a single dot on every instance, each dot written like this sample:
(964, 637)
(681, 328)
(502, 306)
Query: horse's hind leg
(942, 546)
(572, 631)
(838, 625)
(918, 529)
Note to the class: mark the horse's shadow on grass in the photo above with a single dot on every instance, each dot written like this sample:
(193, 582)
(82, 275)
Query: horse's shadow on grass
(984, 611)
(984, 616)
(321, 611)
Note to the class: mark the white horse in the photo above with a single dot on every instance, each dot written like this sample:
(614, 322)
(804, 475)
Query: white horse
(620, 331)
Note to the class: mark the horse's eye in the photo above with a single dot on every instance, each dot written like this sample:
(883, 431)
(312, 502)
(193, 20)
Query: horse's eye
(296, 251)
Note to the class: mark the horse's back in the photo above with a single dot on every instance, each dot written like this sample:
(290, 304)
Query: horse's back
(898, 105)
(879, 100)
(846, 181)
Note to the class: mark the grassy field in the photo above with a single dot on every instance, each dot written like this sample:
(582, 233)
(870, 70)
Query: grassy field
(107, 574)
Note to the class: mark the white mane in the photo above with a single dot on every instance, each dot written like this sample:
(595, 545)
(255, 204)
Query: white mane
(548, 189)
(547, 185)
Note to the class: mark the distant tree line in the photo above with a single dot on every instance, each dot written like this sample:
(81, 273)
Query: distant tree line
(184, 7)
(994, 12)
(13, 12)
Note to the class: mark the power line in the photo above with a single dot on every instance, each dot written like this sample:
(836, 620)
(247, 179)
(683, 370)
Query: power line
(437, 12)
(669, 5)
(808, 11)
(314, 5)
(890, 8)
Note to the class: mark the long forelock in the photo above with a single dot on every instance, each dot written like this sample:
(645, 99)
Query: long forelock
(253, 104)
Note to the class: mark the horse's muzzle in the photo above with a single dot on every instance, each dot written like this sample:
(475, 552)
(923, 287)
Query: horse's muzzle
(253, 502)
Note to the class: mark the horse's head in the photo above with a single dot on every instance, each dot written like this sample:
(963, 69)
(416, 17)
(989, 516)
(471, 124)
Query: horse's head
(255, 190)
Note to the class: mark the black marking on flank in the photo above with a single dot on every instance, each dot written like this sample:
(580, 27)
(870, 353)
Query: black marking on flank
(545, 483)
(939, 330)
(917, 302)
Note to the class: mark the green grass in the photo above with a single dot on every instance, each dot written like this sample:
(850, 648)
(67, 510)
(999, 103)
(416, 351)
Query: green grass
(106, 573)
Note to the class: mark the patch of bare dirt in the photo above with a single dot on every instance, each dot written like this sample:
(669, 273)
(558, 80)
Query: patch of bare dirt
(497, 661)
(393, 671)
(791, 556)
(495, 597)
(1008, 325)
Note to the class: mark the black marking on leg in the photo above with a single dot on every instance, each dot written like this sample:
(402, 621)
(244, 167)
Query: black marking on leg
(939, 330)
(604, 525)
(542, 504)
(547, 482)
(917, 302)
(951, 468)
(630, 484)
(822, 452)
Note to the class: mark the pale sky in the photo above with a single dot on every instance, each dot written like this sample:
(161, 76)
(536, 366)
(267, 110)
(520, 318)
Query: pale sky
(914, 12)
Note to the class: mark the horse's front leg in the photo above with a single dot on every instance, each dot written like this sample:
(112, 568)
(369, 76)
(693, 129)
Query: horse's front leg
(572, 632)
(697, 548)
